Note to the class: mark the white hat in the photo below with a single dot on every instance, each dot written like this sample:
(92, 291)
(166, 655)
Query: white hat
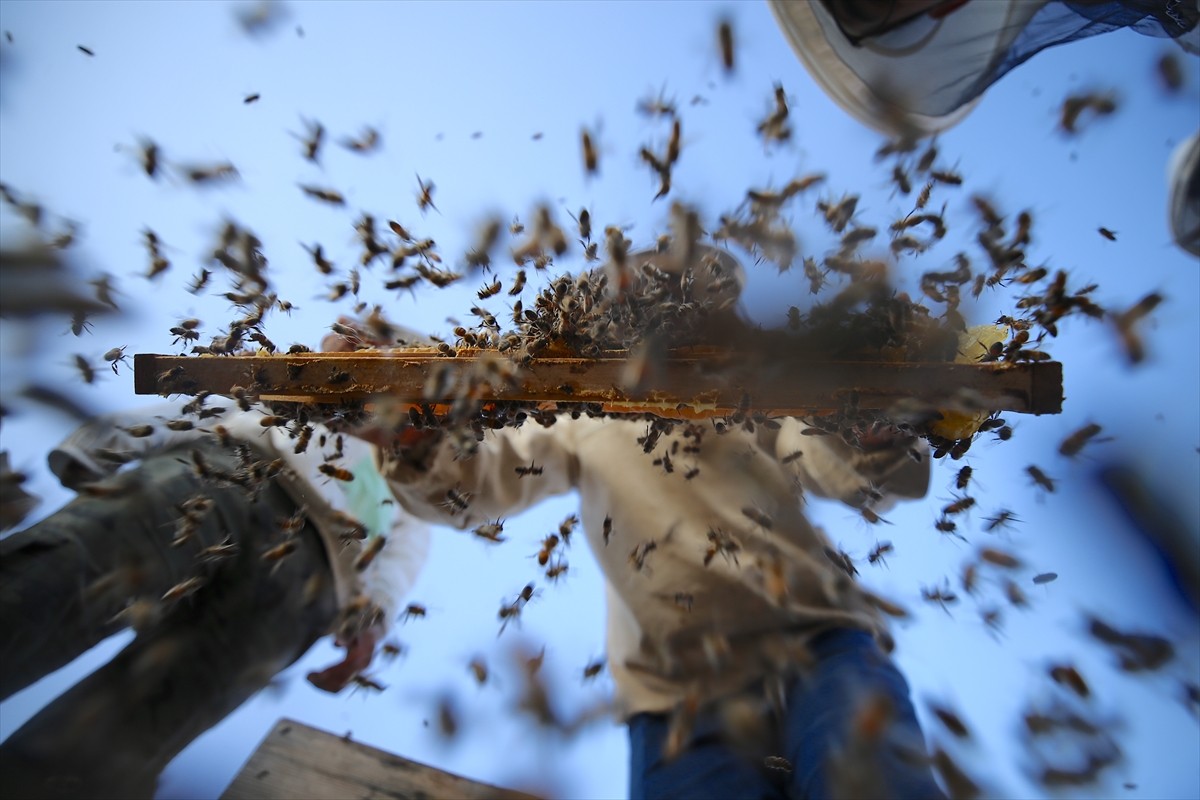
(921, 77)
(1183, 204)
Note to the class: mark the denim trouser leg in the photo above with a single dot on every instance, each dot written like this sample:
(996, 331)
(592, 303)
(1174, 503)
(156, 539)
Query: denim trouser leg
(851, 673)
(708, 768)
(814, 735)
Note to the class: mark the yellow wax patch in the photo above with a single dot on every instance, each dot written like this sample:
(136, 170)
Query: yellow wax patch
(973, 345)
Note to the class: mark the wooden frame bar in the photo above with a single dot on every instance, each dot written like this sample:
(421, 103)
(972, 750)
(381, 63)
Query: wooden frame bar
(695, 384)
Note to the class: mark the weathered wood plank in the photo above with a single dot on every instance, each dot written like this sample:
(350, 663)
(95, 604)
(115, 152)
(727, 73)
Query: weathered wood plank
(296, 760)
(707, 384)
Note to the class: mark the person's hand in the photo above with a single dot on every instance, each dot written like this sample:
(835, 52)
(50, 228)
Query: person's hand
(359, 652)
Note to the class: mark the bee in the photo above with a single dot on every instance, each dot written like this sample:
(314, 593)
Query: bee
(312, 142)
(202, 175)
(999, 558)
(1043, 578)
(367, 142)
(281, 551)
(516, 228)
(179, 424)
(80, 323)
(951, 721)
(456, 501)
(363, 682)
(876, 556)
(273, 421)
(758, 517)
(593, 669)
(184, 589)
(548, 545)
(85, 50)
(637, 556)
(330, 196)
(962, 478)
(691, 473)
(324, 265)
(942, 596)
(722, 543)
(556, 570)
(479, 670)
(216, 552)
(1040, 478)
(725, 45)
(86, 370)
(490, 290)
(1014, 594)
(252, 98)
(591, 159)
(1003, 518)
(1170, 72)
(1068, 676)
(567, 527)
(373, 548)
(1073, 444)
(413, 611)
(958, 506)
(532, 469)
(957, 782)
(947, 177)
(149, 154)
(425, 195)
(1107, 234)
(336, 473)
(606, 529)
(1075, 105)
(947, 526)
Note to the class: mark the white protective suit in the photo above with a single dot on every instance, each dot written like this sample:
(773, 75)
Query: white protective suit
(681, 618)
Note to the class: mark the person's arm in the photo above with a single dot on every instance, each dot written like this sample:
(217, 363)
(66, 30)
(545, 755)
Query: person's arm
(889, 465)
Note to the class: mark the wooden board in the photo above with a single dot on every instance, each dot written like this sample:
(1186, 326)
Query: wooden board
(706, 384)
(296, 760)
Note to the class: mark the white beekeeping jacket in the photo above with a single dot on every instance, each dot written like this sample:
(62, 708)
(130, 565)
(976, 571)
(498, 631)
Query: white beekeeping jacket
(681, 617)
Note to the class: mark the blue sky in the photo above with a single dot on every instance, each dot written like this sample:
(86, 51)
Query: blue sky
(431, 75)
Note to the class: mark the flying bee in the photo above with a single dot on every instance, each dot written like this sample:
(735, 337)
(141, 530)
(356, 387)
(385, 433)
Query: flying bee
(725, 45)
(548, 545)
(1068, 676)
(1073, 444)
(1043, 578)
(1075, 105)
(373, 548)
(591, 159)
(490, 531)
(876, 556)
(923, 196)
(999, 558)
(331, 196)
(950, 720)
(1014, 594)
(80, 323)
(273, 421)
(490, 290)
(517, 285)
(758, 517)
(425, 195)
(947, 177)
(225, 549)
(456, 501)
(149, 154)
(209, 174)
(593, 669)
(199, 281)
(337, 473)
(606, 529)
(323, 265)
(637, 556)
(413, 611)
(1040, 478)
(86, 370)
(116, 356)
(1170, 72)
(184, 589)
(567, 527)
(365, 143)
(1003, 518)
(958, 506)
(942, 596)
(556, 570)
(313, 141)
(1107, 234)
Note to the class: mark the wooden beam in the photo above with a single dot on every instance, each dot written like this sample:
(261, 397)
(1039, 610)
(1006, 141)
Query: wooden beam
(296, 760)
(694, 384)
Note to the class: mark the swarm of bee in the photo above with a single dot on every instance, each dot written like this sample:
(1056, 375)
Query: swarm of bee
(628, 303)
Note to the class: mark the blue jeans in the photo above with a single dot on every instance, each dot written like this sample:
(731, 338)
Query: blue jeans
(826, 735)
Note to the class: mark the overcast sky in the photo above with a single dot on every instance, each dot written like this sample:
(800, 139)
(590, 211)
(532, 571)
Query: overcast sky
(487, 101)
